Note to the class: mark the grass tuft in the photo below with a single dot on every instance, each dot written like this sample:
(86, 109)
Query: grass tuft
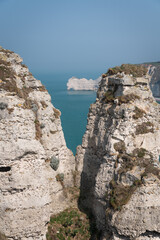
(128, 98)
(138, 113)
(69, 224)
(144, 128)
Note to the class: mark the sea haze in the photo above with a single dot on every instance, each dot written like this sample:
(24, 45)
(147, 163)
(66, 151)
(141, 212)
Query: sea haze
(74, 105)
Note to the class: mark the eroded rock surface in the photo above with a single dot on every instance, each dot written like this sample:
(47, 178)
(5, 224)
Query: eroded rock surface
(155, 79)
(31, 186)
(118, 160)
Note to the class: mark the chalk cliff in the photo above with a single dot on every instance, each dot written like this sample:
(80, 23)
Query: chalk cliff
(35, 164)
(118, 162)
(117, 165)
(155, 78)
(83, 84)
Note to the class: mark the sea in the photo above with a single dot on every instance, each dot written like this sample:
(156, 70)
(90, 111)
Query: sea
(74, 105)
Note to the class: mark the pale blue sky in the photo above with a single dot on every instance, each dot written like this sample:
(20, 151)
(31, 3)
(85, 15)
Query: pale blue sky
(81, 35)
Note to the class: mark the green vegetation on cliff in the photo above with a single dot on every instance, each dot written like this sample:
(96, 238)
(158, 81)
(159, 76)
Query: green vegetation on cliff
(135, 70)
(69, 224)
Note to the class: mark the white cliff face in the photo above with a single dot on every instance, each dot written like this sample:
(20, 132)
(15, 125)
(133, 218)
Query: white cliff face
(83, 84)
(119, 160)
(31, 140)
(154, 71)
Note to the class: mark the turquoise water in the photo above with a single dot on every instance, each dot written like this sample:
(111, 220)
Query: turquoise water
(74, 105)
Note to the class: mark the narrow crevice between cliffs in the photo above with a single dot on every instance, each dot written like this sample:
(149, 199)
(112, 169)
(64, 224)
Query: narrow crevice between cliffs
(87, 185)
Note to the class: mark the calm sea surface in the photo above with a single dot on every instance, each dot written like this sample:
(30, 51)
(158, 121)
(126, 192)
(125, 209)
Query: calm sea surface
(74, 106)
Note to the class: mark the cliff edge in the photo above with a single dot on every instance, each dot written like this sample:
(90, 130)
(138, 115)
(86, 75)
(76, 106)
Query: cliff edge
(35, 164)
(118, 161)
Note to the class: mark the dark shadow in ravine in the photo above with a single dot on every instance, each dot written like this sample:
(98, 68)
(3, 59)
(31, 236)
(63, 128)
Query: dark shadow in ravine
(93, 158)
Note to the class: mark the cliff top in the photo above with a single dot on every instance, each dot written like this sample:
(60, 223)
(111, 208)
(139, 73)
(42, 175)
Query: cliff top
(128, 69)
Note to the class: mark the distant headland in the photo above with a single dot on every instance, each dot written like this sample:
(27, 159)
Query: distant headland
(83, 83)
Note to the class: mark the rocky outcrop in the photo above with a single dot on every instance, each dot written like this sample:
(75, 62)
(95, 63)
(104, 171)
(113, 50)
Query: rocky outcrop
(35, 164)
(118, 160)
(83, 84)
(155, 79)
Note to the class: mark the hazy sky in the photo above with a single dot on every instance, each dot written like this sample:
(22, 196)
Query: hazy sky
(81, 35)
